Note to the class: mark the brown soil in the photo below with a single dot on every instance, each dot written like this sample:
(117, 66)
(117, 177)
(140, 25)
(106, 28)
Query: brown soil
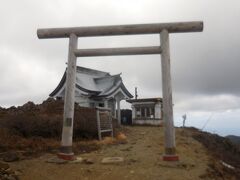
(142, 160)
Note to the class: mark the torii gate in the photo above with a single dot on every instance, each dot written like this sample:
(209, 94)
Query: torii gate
(159, 28)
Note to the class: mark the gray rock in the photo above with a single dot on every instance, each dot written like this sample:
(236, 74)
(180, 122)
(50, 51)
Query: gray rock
(133, 160)
(4, 166)
(77, 160)
(11, 178)
(56, 160)
(10, 157)
(18, 173)
(88, 161)
(9, 171)
(112, 160)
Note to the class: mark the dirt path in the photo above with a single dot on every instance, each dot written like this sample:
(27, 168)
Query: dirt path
(142, 160)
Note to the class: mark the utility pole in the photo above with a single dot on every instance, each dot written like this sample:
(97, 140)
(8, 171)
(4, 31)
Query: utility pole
(136, 95)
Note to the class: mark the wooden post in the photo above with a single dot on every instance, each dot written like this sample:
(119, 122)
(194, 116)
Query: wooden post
(67, 131)
(118, 112)
(114, 109)
(106, 103)
(98, 124)
(110, 120)
(167, 99)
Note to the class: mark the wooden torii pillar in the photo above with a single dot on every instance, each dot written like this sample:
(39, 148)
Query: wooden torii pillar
(159, 28)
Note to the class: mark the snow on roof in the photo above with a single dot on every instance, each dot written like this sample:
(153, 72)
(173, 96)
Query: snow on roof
(94, 82)
(85, 70)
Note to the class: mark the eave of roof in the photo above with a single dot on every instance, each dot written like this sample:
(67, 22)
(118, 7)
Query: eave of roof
(116, 81)
(59, 86)
(95, 93)
(106, 77)
(91, 71)
(122, 86)
(158, 99)
(87, 90)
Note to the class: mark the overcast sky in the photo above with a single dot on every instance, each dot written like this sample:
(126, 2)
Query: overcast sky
(205, 65)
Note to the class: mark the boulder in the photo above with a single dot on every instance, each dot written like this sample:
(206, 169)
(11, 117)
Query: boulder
(10, 157)
(112, 160)
(4, 166)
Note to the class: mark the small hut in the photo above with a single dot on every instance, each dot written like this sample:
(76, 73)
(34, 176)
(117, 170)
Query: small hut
(146, 111)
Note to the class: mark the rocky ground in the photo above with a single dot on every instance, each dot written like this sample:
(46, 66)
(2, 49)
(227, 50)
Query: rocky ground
(140, 158)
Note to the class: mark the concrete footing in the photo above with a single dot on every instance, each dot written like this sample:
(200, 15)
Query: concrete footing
(170, 157)
(65, 156)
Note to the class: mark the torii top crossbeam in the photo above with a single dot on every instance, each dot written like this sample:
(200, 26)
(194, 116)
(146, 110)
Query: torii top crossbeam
(177, 27)
(161, 28)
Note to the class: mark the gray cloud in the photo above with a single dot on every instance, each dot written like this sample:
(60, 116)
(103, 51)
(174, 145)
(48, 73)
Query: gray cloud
(204, 65)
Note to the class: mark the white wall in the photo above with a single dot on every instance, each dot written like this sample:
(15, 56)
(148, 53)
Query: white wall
(158, 113)
(82, 101)
(148, 122)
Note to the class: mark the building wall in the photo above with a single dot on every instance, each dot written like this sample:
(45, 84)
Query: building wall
(158, 110)
(112, 106)
(156, 120)
(148, 122)
(82, 101)
(133, 112)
